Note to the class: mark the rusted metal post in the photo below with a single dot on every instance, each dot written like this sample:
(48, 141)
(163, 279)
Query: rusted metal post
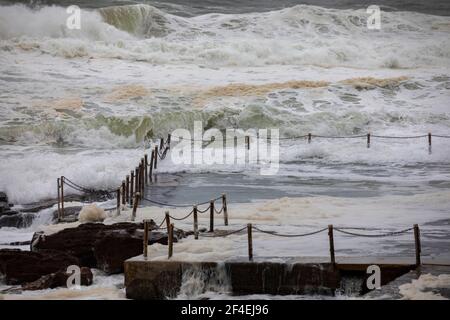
(62, 197)
(195, 223)
(211, 216)
(118, 201)
(225, 209)
(124, 197)
(168, 140)
(146, 168)
(417, 244)
(152, 159)
(368, 140)
(135, 205)
(330, 235)
(429, 142)
(131, 187)
(309, 137)
(247, 142)
(145, 243)
(58, 182)
(127, 189)
(155, 162)
(250, 244)
(170, 234)
(161, 144)
(167, 221)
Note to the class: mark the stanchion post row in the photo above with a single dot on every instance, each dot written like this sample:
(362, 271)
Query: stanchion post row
(62, 197)
(145, 243)
(118, 201)
(211, 216)
(155, 162)
(170, 233)
(146, 168)
(127, 190)
(123, 192)
(309, 137)
(195, 223)
(135, 205)
(225, 209)
(250, 244)
(429, 142)
(167, 221)
(58, 182)
(368, 140)
(131, 187)
(331, 237)
(417, 244)
(151, 165)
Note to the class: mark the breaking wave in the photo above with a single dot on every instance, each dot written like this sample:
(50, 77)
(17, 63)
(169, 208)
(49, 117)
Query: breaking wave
(301, 35)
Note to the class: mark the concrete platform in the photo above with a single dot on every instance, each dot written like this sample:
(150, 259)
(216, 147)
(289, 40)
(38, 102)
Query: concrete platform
(146, 279)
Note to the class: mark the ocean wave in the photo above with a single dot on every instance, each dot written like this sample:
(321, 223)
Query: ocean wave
(301, 35)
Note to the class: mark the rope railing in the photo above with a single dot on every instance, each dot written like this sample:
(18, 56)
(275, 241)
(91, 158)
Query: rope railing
(311, 135)
(223, 235)
(164, 204)
(388, 234)
(131, 188)
(274, 233)
(330, 229)
(84, 189)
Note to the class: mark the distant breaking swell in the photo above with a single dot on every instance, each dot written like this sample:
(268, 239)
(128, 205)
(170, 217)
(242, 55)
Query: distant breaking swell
(301, 35)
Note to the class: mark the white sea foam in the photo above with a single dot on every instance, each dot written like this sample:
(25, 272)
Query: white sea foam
(422, 288)
(299, 35)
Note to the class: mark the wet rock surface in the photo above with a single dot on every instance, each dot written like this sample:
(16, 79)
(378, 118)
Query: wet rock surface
(59, 279)
(101, 246)
(18, 267)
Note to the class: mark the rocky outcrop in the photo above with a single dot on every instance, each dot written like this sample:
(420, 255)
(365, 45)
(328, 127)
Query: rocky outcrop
(12, 218)
(17, 220)
(59, 279)
(101, 246)
(18, 267)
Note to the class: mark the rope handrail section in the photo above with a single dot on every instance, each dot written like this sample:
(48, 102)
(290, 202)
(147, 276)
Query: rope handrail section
(319, 136)
(179, 219)
(223, 235)
(180, 205)
(78, 187)
(274, 233)
(387, 234)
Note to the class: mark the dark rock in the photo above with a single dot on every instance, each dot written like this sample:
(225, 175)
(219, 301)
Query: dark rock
(70, 213)
(58, 279)
(97, 245)
(114, 248)
(3, 197)
(45, 204)
(18, 220)
(24, 266)
(17, 243)
(8, 212)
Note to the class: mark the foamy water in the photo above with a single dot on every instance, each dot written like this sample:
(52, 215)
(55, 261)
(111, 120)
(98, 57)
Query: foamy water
(86, 103)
